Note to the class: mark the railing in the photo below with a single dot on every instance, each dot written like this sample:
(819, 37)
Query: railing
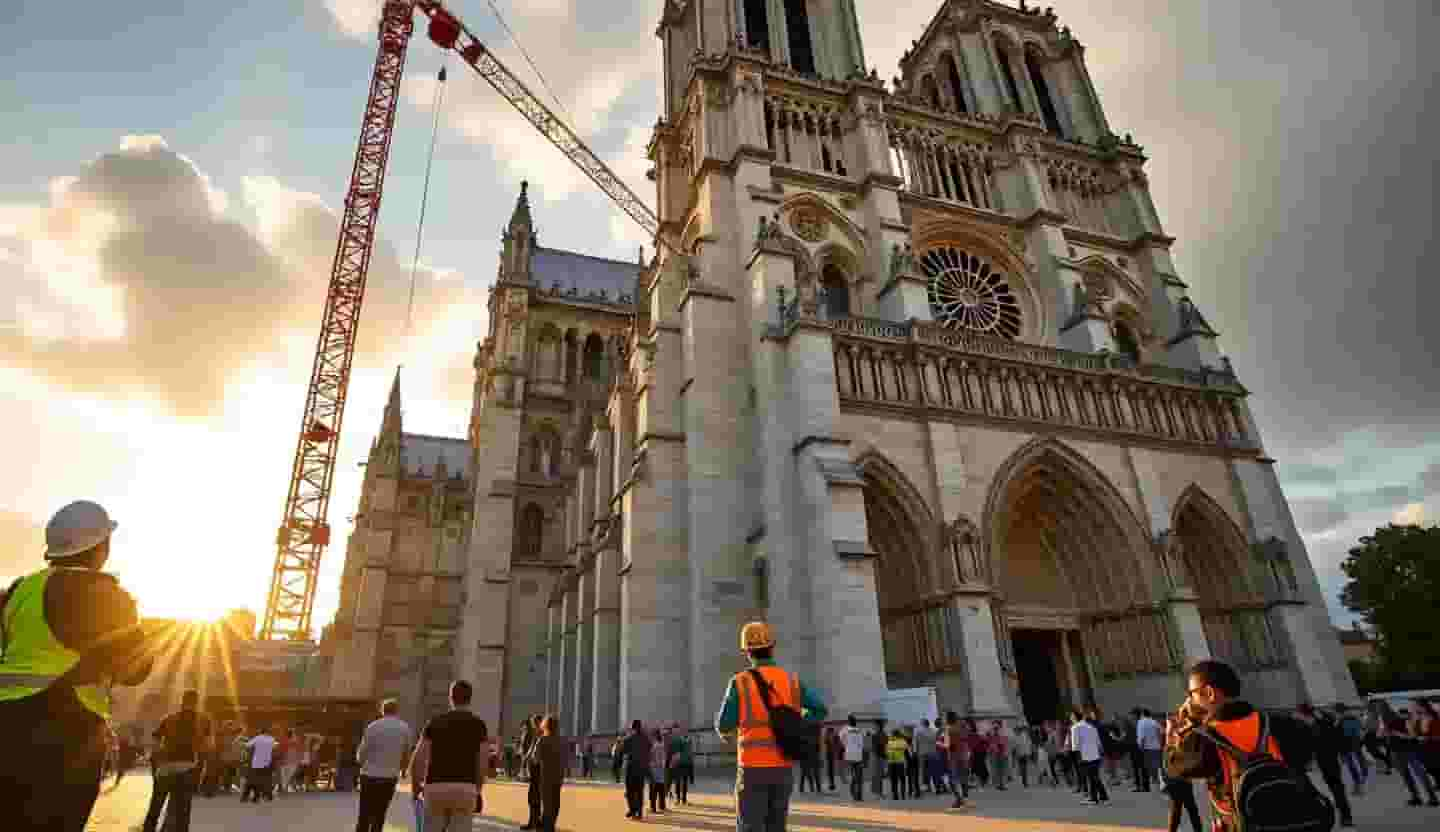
(806, 134)
(942, 164)
(922, 365)
(1246, 639)
(1131, 644)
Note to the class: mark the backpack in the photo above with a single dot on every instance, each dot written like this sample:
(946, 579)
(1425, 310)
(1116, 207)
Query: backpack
(1266, 795)
(798, 739)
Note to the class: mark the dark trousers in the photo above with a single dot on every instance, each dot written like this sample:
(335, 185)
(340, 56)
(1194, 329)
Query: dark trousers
(682, 774)
(762, 802)
(635, 791)
(809, 773)
(1329, 766)
(550, 805)
(50, 771)
(979, 767)
(912, 774)
(1095, 781)
(657, 796)
(1182, 797)
(179, 791)
(257, 783)
(1139, 774)
(857, 780)
(897, 781)
(532, 797)
(375, 796)
(830, 769)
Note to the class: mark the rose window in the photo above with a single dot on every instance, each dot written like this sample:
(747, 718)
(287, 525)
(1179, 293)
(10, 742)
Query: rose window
(967, 292)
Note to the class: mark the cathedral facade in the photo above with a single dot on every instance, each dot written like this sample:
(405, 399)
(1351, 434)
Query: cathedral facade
(917, 382)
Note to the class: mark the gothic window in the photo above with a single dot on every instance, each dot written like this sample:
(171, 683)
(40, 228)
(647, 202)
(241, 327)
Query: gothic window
(757, 25)
(956, 87)
(837, 292)
(537, 447)
(594, 356)
(967, 292)
(931, 91)
(531, 532)
(797, 30)
(1002, 55)
(1042, 91)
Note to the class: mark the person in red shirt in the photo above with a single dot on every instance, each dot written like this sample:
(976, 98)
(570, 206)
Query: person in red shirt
(979, 752)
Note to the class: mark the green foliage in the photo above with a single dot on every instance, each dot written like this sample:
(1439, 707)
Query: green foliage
(1395, 587)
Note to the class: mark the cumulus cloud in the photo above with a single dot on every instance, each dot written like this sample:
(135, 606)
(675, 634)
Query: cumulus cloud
(134, 279)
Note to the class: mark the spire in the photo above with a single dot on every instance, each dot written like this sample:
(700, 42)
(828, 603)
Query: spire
(391, 420)
(519, 240)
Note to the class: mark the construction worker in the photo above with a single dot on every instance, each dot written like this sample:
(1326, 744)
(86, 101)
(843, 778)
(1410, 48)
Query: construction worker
(68, 632)
(764, 776)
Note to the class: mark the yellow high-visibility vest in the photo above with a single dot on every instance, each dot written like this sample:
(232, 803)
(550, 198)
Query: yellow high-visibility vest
(34, 659)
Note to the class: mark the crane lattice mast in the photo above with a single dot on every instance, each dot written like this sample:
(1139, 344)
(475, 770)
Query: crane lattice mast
(304, 533)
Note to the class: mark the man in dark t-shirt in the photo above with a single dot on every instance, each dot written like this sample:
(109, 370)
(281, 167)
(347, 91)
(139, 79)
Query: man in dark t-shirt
(448, 769)
(181, 743)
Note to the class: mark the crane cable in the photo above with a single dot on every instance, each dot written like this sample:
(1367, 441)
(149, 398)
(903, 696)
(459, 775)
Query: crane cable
(424, 197)
(526, 55)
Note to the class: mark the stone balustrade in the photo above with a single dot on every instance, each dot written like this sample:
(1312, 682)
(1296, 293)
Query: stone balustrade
(950, 164)
(919, 365)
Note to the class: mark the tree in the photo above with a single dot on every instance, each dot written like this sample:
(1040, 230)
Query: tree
(1395, 587)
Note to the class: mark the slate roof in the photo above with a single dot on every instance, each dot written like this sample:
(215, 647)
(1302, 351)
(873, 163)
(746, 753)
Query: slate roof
(581, 277)
(421, 453)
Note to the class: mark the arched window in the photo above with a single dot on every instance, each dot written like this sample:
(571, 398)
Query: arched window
(797, 31)
(1042, 91)
(537, 449)
(957, 90)
(837, 292)
(572, 352)
(931, 91)
(1011, 88)
(594, 356)
(757, 25)
(1125, 341)
(530, 535)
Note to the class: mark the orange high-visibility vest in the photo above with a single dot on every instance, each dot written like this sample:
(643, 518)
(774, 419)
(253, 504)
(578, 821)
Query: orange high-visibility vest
(758, 748)
(1244, 734)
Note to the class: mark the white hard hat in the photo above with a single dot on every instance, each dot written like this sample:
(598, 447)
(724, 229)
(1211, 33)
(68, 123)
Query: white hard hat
(76, 528)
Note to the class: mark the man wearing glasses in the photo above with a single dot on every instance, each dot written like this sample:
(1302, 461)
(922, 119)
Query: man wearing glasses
(1213, 701)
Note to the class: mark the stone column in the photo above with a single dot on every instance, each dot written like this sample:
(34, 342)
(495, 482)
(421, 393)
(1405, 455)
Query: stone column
(989, 690)
(605, 628)
(584, 657)
(552, 658)
(569, 616)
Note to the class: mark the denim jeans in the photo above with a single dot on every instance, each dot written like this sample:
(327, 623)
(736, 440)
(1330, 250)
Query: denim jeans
(179, 791)
(1359, 768)
(762, 799)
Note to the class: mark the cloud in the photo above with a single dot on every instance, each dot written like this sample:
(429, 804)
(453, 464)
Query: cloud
(21, 544)
(135, 280)
(1318, 515)
(1413, 514)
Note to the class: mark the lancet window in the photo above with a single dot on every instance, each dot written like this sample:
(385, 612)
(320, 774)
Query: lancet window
(1042, 92)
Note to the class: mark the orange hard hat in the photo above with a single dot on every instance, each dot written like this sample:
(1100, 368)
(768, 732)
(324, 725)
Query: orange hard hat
(756, 636)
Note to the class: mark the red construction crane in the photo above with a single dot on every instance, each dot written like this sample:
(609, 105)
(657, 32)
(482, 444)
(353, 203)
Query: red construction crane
(304, 534)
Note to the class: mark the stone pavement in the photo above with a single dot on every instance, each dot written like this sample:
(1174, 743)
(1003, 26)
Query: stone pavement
(599, 806)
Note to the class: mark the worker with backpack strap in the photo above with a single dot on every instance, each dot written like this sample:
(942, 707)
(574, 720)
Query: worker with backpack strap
(775, 720)
(1254, 762)
(67, 632)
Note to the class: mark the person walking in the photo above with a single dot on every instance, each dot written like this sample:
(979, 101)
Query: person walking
(832, 751)
(878, 740)
(896, 748)
(936, 772)
(1374, 737)
(1404, 746)
(261, 748)
(1326, 740)
(635, 756)
(1150, 744)
(1085, 739)
(1213, 703)
(615, 758)
(182, 741)
(1427, 729)
(1353, 754)
(764, 775)
(1022, 751)
(448, 767)
(958, 750)
(997, 745)
(1181, 793)
(67, 633)
(382, 755)
(529, 739)
(682, 763)
(658, 772)
(550, 768)
(852, 743)
(979, 755)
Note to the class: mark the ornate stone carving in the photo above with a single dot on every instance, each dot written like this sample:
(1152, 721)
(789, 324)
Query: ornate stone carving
(810, 224)
(967, 556)
(902, 260)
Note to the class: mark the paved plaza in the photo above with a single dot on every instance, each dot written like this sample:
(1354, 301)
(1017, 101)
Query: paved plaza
(600, 806)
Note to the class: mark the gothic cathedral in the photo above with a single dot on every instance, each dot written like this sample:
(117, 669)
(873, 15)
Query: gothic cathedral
(921, 387)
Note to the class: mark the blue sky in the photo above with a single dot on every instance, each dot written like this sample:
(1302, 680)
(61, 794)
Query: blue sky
(1292, 155)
